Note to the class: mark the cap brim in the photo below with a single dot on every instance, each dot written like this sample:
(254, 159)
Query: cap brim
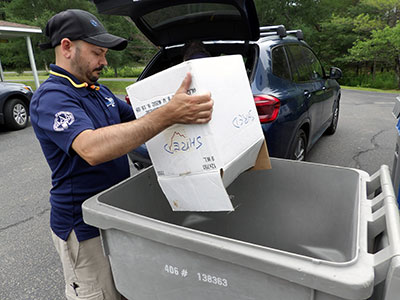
(107, 40)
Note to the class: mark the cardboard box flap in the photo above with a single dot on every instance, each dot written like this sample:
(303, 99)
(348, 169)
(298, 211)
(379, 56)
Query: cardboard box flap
(196, 192)
(246, 160)
(263, 162)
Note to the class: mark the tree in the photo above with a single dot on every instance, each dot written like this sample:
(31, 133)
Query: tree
(388, 10)
(327, 25)
(38, 12)
(272, 12)
(376, 41)
(341, 32)
(383, 47)
(335, 37)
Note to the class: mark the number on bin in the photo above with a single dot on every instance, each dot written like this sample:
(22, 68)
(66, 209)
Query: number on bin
(212, 279)
(171, 270)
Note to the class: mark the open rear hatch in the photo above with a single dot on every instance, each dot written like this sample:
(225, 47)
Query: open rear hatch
(172, 22)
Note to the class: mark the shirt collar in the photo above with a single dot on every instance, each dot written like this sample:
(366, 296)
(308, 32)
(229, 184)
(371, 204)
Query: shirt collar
(83, 90)
(60, 70)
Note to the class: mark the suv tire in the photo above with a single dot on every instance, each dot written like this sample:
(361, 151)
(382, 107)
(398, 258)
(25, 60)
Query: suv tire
(335, 118)
(299, 148)
(16, 114)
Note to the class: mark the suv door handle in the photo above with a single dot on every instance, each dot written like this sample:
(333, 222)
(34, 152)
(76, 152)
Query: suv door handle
(307, 94)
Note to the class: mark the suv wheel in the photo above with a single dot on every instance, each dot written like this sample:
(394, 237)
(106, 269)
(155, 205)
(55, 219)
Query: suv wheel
(335, 118)
(15, 114)
(299, 146)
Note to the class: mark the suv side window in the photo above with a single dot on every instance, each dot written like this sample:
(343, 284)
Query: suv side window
(316, 68)
(299, 64)
(280, 65)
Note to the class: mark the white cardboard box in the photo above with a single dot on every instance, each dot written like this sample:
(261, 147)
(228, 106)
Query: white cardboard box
(194, 163)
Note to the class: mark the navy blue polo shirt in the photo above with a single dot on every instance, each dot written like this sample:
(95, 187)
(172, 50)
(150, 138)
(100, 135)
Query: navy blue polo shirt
(60, 112)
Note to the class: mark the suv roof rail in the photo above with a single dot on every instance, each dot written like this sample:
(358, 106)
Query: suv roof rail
(281, 31)
(299, 33)
(273, 30)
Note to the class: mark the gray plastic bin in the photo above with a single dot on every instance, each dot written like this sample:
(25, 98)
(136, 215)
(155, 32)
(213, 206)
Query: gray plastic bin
(299, 231)
(396, 160)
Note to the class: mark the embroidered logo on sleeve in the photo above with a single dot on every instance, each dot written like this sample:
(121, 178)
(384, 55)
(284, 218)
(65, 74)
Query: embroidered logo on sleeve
(62, 120)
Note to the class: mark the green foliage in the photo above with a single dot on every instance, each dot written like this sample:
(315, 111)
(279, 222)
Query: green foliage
(387, 10)
(382, 47)
(335, 38)
(344, 33)
(359, 36)
(365, 23)
(37, 12)
(384, 80)
(272, 12)
(125, 71)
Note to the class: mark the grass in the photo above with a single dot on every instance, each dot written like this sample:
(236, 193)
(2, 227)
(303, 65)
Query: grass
(122, 72)
(358, 88)
(24, 77)
(116, 85)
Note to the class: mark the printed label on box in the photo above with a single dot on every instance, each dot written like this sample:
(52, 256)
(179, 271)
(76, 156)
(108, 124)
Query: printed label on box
(151, 105)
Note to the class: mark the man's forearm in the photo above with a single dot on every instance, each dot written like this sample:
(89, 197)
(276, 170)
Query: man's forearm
(108, 143)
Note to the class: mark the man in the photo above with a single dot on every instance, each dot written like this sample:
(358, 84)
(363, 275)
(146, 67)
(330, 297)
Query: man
(85, 133)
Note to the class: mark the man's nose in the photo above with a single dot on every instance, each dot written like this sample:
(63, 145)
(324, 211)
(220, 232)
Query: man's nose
(104, 61)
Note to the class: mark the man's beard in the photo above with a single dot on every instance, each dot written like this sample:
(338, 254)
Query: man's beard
(80, 68)
(93, 78)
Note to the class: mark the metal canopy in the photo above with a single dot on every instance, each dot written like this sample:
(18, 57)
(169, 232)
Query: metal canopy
(13, 30)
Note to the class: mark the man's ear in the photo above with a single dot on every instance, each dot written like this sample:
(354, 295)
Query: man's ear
(66, 47)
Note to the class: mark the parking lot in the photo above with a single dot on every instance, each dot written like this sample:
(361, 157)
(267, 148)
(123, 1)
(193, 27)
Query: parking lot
(30, 268)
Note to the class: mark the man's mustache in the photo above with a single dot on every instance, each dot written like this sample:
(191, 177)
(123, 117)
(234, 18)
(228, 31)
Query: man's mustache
(99, 68)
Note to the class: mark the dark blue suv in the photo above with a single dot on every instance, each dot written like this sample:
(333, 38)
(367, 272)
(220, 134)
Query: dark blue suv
(296, 100)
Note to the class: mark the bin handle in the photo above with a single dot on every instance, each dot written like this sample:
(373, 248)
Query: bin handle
(384, 219)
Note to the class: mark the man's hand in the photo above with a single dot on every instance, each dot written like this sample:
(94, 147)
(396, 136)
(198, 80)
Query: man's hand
(182, 108)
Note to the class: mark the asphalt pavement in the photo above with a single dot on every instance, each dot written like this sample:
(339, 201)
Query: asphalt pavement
(366, 133)
(29, 265)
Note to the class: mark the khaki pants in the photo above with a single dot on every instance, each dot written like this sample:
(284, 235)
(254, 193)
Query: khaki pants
(87, 271)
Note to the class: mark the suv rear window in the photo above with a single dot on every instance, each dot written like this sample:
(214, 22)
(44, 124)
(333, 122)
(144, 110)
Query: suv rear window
(164, 16)
(280, 66)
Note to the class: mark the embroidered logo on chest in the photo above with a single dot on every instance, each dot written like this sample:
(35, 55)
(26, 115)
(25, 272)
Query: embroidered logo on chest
(110, 102)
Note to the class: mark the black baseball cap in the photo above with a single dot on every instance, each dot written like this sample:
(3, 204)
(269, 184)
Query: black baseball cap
(77, 24)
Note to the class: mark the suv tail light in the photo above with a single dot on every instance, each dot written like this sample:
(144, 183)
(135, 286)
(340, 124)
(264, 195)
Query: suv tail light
(127, 99)
(267, 107)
